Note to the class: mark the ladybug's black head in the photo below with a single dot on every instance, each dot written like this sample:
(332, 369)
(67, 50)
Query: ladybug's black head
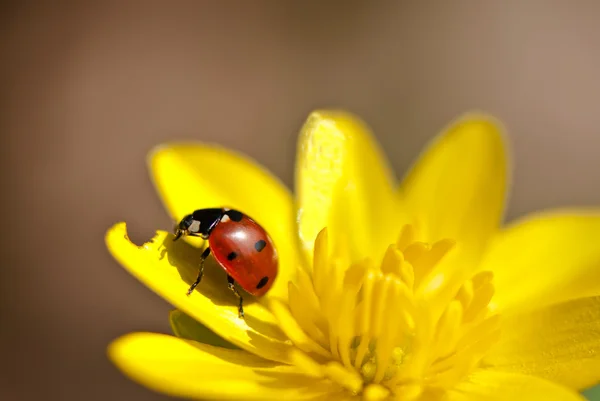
(186, 226)
(201, 222)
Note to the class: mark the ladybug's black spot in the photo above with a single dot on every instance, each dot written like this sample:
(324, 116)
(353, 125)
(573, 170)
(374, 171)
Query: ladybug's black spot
(231, 256)
(260, 245)
(235, 215)
(263, 281)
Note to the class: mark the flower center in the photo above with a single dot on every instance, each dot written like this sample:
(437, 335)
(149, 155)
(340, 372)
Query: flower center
(400, 328)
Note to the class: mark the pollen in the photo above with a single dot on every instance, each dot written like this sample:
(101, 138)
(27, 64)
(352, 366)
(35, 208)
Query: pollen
(388, 330)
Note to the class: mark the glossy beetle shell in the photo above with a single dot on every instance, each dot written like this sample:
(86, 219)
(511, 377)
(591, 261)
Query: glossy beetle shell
(246, 252)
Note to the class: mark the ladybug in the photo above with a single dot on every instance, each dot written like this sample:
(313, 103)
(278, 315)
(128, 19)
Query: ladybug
(239, 244)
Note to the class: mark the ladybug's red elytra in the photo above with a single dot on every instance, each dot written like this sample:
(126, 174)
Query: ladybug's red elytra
(239, 244)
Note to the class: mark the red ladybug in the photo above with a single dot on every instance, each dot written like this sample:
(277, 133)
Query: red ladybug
(239, 244)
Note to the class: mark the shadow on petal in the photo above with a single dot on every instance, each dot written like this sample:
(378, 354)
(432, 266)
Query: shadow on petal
(186, 259)
(169, 267)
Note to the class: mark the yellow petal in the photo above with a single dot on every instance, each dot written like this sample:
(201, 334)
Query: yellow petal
(184, 326)
(189, 369)
(190, 177)
(343, 183)
(545, 259)
(486, 385)
(169, 267)
(457, 188)
(560, 343)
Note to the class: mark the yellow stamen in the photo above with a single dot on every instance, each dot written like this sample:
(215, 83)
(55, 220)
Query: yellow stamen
(346, 378)
(384, 330)
(306, 363)
(448, 330)
(293, 330)
(375, 392)
(406, 237)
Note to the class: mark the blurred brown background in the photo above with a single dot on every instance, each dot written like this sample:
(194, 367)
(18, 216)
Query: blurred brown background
(88, 88)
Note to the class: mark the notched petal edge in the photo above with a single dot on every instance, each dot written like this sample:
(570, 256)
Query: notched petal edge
(168, 268)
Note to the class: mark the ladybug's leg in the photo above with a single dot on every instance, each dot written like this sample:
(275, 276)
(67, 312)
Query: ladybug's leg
(231, 285)
(201, 272)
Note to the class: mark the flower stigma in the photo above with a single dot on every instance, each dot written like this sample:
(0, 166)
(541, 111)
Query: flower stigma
(377, 331)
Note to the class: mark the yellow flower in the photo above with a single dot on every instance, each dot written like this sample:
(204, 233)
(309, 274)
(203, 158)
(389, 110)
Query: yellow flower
(413, 292)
